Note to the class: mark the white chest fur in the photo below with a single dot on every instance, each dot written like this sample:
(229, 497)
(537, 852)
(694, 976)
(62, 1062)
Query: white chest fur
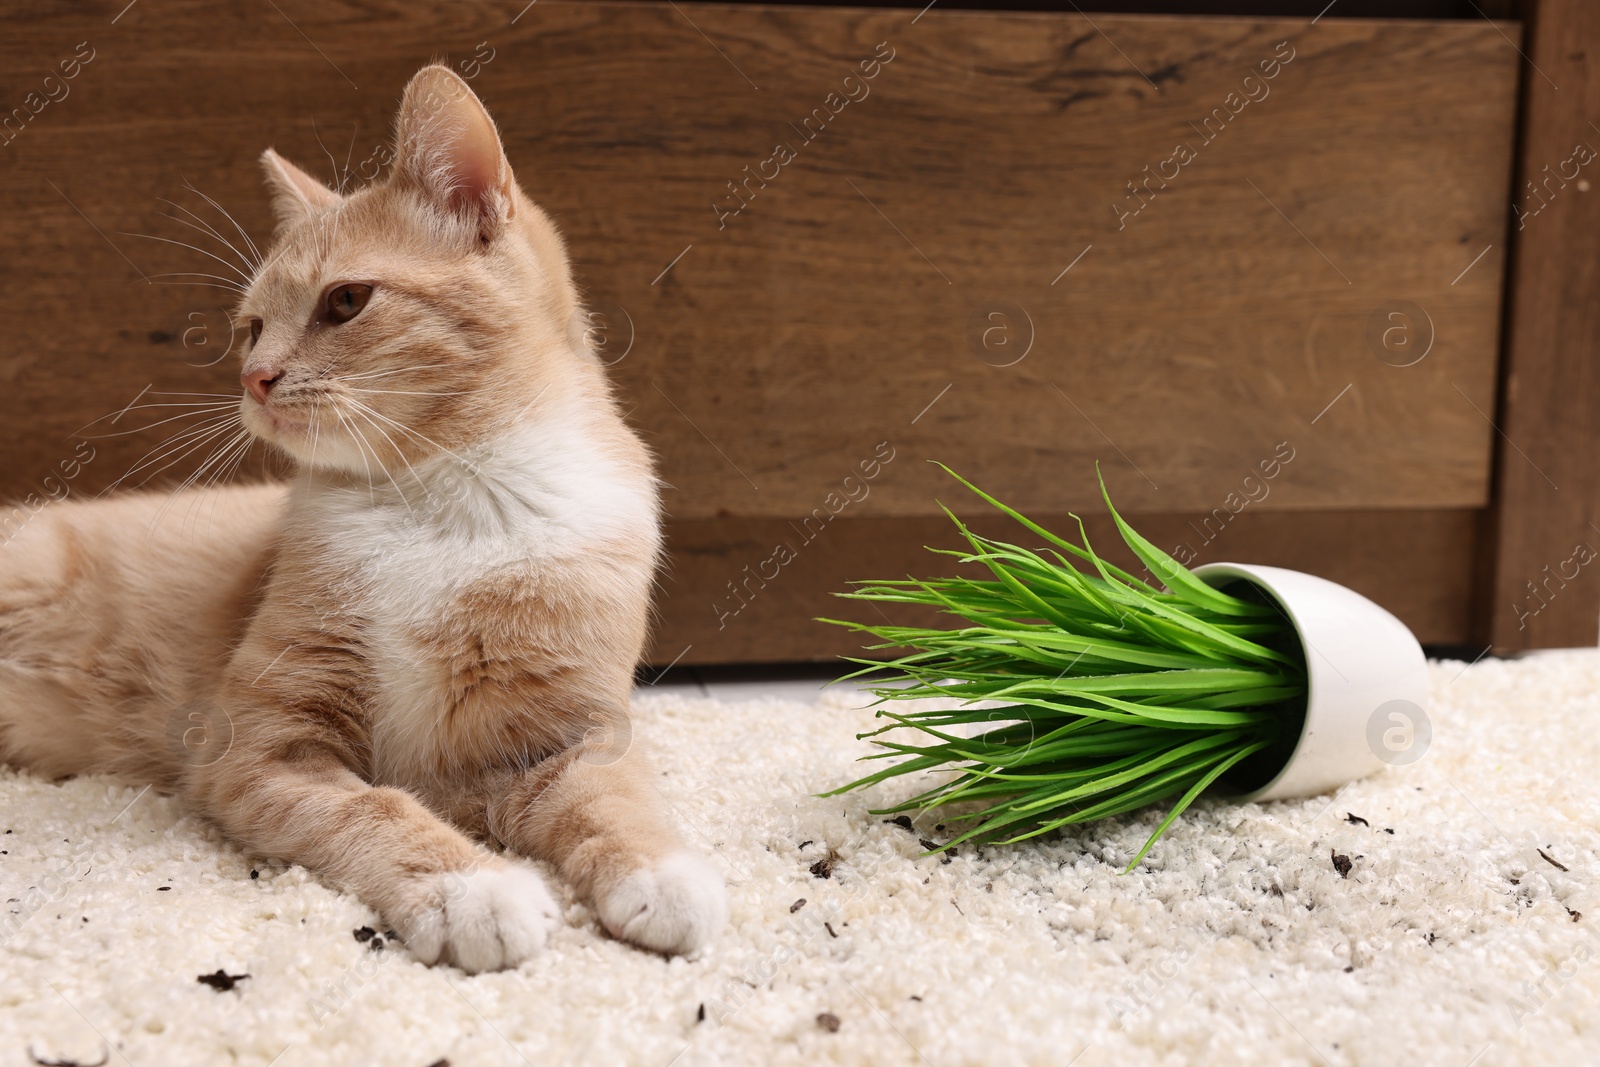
(406, 551)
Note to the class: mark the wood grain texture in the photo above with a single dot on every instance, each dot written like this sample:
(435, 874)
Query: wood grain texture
(853, 299)
(1546, 585)
(725, 600)
(835, 307)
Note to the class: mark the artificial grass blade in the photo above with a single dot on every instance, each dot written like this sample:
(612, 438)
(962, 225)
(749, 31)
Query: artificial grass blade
(1178, 578)
(1117, 692)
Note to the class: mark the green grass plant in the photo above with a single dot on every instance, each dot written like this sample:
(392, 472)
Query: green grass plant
(1114, 692)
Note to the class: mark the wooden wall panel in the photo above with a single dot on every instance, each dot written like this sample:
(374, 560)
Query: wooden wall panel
(1546, 578)
(726, 599)
(1324, 272)
(840, 303)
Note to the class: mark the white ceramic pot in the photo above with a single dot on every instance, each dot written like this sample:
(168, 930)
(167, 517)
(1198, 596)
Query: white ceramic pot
(1367, 684)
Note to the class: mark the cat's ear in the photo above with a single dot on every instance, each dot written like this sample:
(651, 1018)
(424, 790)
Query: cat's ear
(296, 195)
(449, 149)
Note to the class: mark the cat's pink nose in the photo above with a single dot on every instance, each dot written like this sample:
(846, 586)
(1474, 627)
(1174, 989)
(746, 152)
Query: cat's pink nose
(260, 382)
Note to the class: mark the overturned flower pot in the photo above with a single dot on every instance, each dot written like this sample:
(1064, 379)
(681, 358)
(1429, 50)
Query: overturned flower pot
(1366, 697)
(1084, 690)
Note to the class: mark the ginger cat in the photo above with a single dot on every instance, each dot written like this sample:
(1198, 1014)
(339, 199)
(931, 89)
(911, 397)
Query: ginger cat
(427, 640)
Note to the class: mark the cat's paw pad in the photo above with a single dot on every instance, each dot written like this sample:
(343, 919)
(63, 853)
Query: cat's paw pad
(675, 906)
(485, 919)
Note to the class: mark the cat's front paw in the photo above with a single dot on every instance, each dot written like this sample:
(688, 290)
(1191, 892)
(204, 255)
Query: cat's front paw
(489, 918)
(675, 906)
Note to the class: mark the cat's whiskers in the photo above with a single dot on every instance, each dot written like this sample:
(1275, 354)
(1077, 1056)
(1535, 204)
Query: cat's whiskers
(320, 230)
(415, 392)
(177, 438)
(115, 415)
(256, 252)
(338, 217)
(361, 445)
(217, 461)
(316, 426)
(202, 410)
(338, 181)
(216, 498)
(206, 228)
(177, 447)
(229, 467)
(316, 133)
(217, 281)
(202, 285)
(238, 461)
(235, 457)
(212, 460)
(245, 278)
(406, 429)
(387, 373)
(362, 411)
(355, 128)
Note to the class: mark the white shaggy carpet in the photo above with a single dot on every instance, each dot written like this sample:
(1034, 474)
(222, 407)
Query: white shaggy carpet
(1452, 940)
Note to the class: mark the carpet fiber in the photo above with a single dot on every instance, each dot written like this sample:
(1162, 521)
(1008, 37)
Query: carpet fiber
(1452, 940)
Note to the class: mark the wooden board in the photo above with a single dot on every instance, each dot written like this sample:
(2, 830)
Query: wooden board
(970, 206)
(1546, 581)
(733, 595)
(838, 305)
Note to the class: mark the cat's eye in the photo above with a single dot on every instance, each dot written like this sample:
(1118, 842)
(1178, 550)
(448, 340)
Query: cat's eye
(346, 301)
(255, 330)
